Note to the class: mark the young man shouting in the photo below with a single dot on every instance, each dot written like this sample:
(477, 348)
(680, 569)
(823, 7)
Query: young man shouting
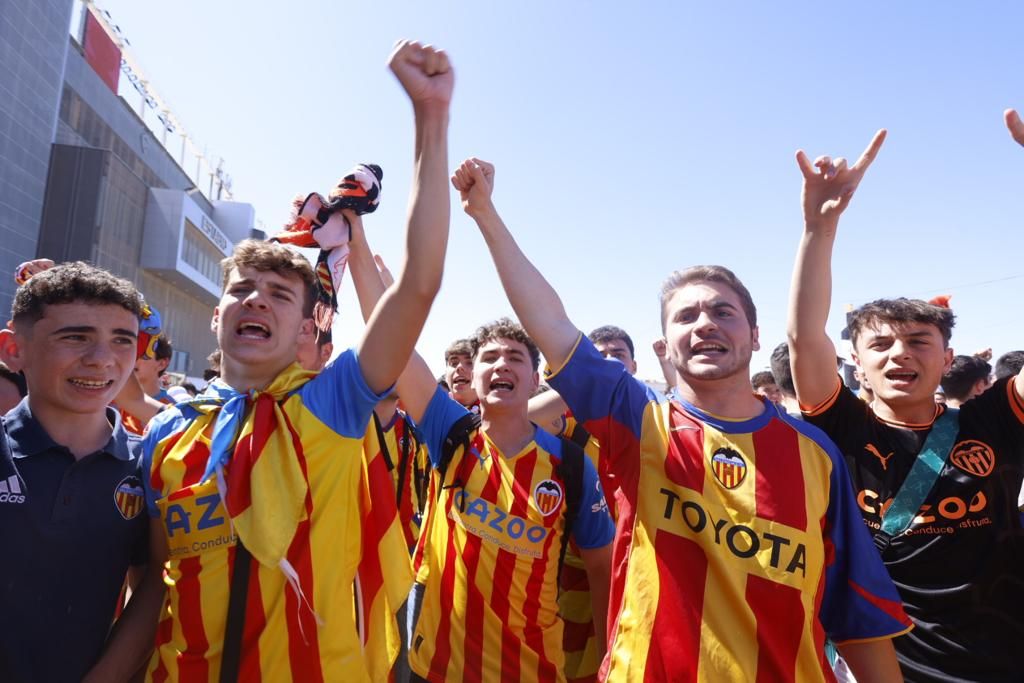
(509, 497)
(255, 487)
(738, 546)
(954, 548)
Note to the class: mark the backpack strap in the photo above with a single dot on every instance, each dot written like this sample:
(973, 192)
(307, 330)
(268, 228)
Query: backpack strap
(237, 597)
(382, 442)
(922, 476)
(458, 435)
(403, 456)
(579, 436)
(570, 471)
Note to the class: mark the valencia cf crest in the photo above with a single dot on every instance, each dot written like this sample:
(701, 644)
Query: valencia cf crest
(547, 495)
(129, 497)
(973, 457)
(729, 467)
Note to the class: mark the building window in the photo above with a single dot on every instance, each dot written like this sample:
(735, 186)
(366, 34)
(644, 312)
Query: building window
(200, 254)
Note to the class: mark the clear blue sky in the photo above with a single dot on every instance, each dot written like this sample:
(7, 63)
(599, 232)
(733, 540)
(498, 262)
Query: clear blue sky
(632, 139)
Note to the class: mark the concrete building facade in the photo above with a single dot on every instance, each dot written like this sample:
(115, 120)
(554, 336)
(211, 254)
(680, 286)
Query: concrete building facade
(84, 178)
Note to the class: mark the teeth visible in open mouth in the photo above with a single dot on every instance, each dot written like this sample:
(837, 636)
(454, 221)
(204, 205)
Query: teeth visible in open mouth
(91, 384)
(703, 348)
(253, 329)
(501, 385)
(901, 374)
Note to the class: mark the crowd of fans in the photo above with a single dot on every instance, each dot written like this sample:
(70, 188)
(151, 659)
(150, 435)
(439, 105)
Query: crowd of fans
(361, 519)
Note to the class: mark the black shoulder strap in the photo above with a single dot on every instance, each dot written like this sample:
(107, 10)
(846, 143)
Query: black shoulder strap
(458, 435)
(403, 455)
(570, 471)
(383, 443)
(579, 436)
(237, 598)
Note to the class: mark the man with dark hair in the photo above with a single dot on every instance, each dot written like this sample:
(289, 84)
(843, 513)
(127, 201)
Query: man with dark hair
(613, 342)
(258, 487)
(70, 483)
(458, 372)
(932, 482)
(967, 377)
(693, 477)
(783, 375)
(485, 604)
(1009, 364)
(764, 385)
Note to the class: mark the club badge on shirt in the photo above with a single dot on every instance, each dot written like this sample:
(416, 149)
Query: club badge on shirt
(129, 497)
(546, 496)
(729, 467)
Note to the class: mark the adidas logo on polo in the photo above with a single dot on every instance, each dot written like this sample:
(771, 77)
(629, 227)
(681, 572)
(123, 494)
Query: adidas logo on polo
(10, 490)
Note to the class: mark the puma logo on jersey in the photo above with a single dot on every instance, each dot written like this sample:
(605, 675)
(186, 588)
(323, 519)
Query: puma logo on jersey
(884, 459)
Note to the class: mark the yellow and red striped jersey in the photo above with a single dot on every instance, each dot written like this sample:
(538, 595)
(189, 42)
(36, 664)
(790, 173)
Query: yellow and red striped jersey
(738, 546)
(579, 639)
(490, 606)
(348, 550)
(409, 466)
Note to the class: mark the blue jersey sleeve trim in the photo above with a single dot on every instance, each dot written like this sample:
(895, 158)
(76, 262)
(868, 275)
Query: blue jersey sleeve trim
(595, 388)
(594, 527)
(340, 398)
(163, 425)
(442, 412)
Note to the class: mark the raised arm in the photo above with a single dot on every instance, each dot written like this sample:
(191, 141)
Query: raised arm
(535, 302)
(1016, 128)
(828, 187)
(398, 318)
(372, 279)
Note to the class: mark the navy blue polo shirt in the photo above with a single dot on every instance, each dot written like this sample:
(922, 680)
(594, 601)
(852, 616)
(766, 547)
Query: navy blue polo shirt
(69, 531)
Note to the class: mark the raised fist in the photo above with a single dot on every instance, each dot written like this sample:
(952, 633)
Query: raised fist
(1014, 125)
(474, 180)
(424, 72)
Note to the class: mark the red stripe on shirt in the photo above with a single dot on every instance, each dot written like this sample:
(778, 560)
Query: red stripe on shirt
(780, 618)
(303, 646)
(473, 663)
(684, 463)
(255, 622)
(156, 481)
(674, 651)
(247, 452)
(192, 664)
(443, 649)
(195, 462)
(505, 567)
(546, 670)
(163, 636)
(780, 477)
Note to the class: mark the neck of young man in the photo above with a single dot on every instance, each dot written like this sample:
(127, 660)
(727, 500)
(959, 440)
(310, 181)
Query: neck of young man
(151, 387)
(244, 377)
(81, 433)
(910, 413)
(729, 397)
(509, 431)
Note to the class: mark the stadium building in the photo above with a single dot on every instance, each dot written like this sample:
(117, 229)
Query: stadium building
(94, 167)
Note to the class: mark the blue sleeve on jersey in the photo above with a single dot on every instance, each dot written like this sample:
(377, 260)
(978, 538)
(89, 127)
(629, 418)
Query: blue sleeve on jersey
(596, 388)
(594, 527)
(860, 600)
(340, 398)
(163, 424)
(442, 412)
